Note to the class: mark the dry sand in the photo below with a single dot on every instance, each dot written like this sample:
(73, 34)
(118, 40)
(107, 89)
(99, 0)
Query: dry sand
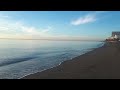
(101, 63)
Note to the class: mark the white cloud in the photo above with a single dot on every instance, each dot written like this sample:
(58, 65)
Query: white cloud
(85, 19)
(47, 29)
(16, 28)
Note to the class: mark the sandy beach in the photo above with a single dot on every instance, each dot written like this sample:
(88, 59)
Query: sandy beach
(101, 63)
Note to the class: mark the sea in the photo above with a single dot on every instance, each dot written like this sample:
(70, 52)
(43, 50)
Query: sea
(19, 58)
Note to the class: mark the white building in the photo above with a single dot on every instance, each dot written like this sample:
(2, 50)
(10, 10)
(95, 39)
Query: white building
(116, 34)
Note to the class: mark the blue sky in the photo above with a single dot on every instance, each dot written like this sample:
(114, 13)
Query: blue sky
(59, 24)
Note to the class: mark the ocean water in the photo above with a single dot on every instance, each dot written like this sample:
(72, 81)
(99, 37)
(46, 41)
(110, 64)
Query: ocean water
(19, 58)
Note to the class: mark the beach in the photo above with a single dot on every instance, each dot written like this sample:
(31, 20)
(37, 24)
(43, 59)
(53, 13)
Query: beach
(101, 63)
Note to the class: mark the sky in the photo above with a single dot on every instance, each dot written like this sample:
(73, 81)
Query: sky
(70, 25)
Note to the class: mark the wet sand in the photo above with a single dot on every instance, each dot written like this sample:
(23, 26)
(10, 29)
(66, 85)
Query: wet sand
(101, 63)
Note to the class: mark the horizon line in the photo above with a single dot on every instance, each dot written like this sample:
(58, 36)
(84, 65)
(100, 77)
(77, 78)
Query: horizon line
(50, 39)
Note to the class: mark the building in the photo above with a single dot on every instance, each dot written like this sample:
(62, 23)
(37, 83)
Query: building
(114, 37)
(116, 34)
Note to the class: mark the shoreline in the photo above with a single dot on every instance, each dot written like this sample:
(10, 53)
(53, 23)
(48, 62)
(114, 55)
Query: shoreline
(85, 66)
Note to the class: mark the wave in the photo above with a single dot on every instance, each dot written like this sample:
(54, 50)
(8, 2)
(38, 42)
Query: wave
(16, 60)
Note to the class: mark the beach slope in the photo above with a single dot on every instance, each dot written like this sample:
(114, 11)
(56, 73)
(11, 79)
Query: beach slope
(101, 63)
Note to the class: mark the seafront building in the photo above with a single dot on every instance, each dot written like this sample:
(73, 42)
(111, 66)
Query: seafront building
(114, 37)
(116, 34)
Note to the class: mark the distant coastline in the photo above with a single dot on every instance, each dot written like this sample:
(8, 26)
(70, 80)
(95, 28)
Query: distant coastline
(50, 39)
